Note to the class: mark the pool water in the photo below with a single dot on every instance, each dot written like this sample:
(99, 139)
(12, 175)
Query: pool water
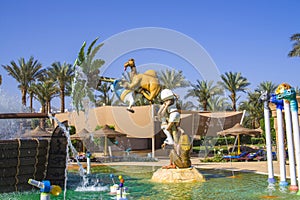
(219, 186)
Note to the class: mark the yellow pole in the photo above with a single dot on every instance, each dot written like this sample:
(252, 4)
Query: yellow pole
(105, 146)
(239, 145)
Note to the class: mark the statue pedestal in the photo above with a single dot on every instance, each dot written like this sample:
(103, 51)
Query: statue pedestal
(186, 175)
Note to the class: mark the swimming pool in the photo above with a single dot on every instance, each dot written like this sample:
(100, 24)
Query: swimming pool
(219, 185)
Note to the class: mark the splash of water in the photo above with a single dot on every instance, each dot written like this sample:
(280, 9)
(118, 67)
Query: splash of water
(95, 183)
(82, 171)
(270, 189)
(283, 189)
(11, 128)
(87, 184)
(93, 188)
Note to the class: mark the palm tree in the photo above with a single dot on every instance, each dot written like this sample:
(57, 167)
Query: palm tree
(86, 75)
(31, 96)
(296, 46)
(39, 94)
(63, 75)
(234, 82)
(187, 105)
(203, 91)
(171, 79)
(104, 97)
(297, 89)
(44, 92)
(218, 103)
(268, 86)
(254, 109)
(24, 73)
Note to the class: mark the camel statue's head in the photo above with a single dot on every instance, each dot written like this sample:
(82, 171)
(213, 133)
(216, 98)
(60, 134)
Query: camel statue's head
(130, 64)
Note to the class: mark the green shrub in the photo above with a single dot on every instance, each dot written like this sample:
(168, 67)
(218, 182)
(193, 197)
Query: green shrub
(216, 158)
(72, 130)
(222, 140)
(245, 139)
(257, 140)
(35, 123)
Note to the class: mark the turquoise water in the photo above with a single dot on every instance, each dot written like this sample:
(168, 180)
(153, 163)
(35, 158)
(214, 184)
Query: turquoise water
(219, 186)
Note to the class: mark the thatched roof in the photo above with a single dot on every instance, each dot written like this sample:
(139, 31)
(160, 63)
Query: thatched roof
(238, 129)
(80, 134)
(108, 132)
(37, 132)
(103, 132)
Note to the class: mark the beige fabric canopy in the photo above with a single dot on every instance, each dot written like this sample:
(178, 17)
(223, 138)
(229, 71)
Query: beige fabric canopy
(238, 129)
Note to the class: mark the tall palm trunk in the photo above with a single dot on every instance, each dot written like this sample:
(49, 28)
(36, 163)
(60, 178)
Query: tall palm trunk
(24, 92)
(42, 120)
(48, 107)
(62, 99)
(31, 102)
(204, 103)
(233, 98)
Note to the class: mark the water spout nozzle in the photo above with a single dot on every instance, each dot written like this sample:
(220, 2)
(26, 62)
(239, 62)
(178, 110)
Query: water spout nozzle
(46, 187)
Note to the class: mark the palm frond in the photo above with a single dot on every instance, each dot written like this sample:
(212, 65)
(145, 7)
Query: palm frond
(81, 56)
(91, 46)
(295, 52)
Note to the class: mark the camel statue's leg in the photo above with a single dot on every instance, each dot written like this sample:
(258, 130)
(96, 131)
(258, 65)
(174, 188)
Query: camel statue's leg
(154, 91)
(146, 95)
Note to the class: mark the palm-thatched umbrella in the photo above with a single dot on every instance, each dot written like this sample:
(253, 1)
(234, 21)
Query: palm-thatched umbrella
(238, 130)
(79, 135)
(107, 132)
(36, 133)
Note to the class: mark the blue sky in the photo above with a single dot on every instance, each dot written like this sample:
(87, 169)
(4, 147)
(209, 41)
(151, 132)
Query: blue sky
(251, 37)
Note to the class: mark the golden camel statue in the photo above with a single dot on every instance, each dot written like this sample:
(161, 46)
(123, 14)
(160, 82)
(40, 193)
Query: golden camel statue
(147, 83)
